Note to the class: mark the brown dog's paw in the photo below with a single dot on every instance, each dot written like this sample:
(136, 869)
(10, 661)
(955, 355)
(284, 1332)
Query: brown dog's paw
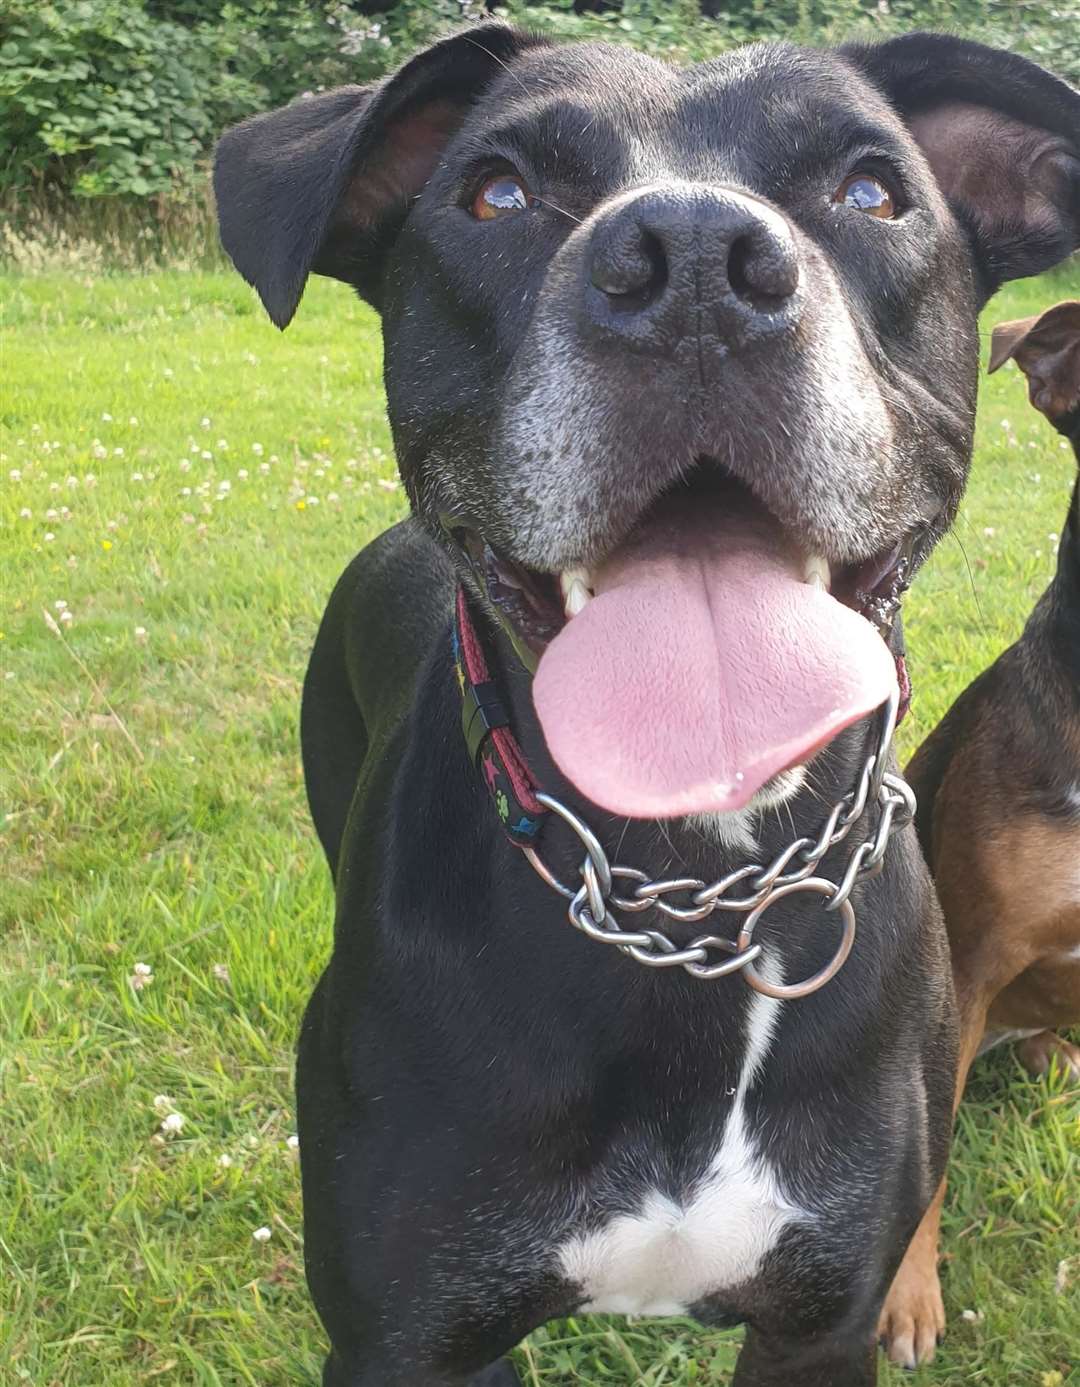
(913, 1318)
(1037, 1052)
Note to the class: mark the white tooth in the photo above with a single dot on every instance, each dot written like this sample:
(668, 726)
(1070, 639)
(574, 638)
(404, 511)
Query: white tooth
(570, 576)
(816, 572)
(576, 598)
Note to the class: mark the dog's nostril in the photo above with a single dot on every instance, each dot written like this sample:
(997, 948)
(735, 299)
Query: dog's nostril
(762, 269)
(631, 272)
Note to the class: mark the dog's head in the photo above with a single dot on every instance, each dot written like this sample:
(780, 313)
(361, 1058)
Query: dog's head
(681, 363)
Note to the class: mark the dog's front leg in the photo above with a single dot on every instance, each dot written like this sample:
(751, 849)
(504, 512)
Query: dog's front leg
(338, 1373)
(828, 1361)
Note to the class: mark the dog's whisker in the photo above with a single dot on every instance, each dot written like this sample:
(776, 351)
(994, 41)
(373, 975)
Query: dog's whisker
(546, 202)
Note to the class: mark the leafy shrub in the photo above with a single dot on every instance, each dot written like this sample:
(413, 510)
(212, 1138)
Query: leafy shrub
(124, 98)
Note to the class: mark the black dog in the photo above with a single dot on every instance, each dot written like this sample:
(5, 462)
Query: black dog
(681, 367)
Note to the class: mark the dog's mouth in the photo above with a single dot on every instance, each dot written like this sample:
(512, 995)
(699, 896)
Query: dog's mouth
(706, 653)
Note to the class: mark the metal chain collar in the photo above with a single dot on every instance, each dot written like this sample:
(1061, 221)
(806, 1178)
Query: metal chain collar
(592, 906)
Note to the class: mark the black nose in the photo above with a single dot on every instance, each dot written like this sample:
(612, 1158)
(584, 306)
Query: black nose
(691, 260)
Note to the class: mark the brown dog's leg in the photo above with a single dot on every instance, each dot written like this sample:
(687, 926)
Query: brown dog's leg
(913, 1316)
(1037, 1052)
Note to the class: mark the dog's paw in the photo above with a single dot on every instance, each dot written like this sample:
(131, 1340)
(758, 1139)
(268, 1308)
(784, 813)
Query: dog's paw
(912, 1321)
(1037, 1052)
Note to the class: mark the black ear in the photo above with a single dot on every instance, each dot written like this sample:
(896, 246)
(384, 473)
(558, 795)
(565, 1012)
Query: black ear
(323, 184)
(1002, 137)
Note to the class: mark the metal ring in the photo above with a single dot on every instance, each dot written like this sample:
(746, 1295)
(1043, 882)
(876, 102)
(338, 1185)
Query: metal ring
(544, 872)
(798, 989)
(588, 838)
(890, 708)
(597, 903)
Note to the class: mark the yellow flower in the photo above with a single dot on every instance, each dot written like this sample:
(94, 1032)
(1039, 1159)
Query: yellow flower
(106, 544)
(301, 505)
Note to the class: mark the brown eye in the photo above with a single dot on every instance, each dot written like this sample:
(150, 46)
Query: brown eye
(866, 194)
(499, 197)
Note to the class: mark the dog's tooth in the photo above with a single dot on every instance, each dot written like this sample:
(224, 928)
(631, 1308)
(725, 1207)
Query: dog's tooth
(816, 572)
(571, 576)
(576, 598)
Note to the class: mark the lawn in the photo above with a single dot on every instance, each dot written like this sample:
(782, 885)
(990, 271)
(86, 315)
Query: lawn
(180, 487)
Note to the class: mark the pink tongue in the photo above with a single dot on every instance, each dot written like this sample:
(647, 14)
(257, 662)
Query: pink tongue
(703, 666)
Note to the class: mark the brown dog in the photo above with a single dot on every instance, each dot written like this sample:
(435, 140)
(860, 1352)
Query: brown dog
(998, 784)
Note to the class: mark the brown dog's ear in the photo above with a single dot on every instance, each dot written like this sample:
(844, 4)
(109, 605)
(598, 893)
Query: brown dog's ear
(324, 184)
(1047, 350)
(1002, 137)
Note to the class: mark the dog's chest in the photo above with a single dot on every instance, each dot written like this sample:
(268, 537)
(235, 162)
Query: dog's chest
(671, 1254)
(672, 1251)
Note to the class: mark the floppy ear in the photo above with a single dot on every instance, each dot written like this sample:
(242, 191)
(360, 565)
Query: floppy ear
(1047, 350)
(324, 184)
(1002, 137)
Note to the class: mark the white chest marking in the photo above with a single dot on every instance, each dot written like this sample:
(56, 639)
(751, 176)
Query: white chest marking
(671, 1253)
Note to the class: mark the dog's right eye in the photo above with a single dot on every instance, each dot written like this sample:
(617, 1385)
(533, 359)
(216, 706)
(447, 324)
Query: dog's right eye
(500, 196)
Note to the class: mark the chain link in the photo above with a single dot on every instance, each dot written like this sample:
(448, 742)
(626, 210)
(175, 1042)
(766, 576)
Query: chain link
(593, 905)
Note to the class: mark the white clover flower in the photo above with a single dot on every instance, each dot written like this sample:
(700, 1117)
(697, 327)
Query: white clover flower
(142, 975)
(257, 448)
(221, 972)
(140, 633)
(15, 475)
(224, 1160)
(106, 418)
(49, 536)
(66, 618)
(162, 1103)
(205, 423)
(242, 474)
(26, 513)
(262, 1235)
(172, 1124)
(293, 1142)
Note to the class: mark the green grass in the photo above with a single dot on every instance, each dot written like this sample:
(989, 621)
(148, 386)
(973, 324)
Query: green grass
(154, 814)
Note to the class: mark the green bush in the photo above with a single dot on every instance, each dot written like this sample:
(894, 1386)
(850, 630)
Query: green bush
(124, 98)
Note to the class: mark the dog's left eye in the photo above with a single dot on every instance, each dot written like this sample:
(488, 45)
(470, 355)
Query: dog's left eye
(500, 196)
(865, 193)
